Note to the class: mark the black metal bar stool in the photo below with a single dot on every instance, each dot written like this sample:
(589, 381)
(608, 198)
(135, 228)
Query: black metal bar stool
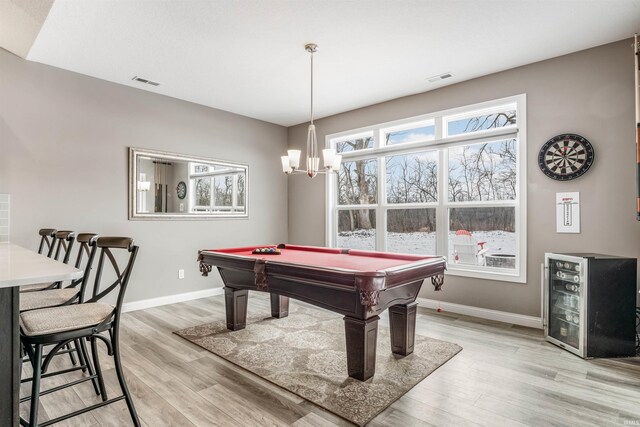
(46, 240)
(61, 244)
(65, 324)
(71, 294)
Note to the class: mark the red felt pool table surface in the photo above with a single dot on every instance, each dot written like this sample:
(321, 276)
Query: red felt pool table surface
(346, 259)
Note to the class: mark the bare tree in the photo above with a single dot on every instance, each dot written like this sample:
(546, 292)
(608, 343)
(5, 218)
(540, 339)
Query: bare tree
(241, 187)
(490, 121)
(483, 171)
(411, 179)
(203, 192)
(357, 183)
(476, 172)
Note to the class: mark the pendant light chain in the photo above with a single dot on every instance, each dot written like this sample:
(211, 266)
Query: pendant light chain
(313, 157)
(311, 50)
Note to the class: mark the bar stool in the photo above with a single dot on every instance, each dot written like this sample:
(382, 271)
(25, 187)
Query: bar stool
(64, 324)
(61, 244)
(46, 240)
(71, 294)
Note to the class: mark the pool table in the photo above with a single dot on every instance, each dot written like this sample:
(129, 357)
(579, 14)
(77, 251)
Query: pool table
(357, 284)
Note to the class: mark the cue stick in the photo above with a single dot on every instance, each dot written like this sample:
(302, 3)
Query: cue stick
(636, 72)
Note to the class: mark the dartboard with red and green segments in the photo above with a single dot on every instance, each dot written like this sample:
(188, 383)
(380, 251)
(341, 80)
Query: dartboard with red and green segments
(565, 157)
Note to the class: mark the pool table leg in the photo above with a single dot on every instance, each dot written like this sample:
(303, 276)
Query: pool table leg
(361, 338)
(402, 320)
(279, 306)
(236, 307)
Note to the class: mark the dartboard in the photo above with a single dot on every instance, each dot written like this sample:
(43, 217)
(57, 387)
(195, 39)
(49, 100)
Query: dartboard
(181, 190)
(565, 157)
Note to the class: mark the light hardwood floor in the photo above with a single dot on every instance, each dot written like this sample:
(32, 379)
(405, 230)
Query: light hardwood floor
(505, 376)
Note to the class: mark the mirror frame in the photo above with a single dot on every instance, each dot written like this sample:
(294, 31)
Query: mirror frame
(133, 193)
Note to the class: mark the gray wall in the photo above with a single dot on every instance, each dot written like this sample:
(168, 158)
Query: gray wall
(589, 93)
(63, 159)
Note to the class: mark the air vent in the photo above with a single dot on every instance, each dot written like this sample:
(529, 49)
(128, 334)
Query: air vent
(440, 77)
(145, 81)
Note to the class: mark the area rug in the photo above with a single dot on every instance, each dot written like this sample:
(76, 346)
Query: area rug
(305, 354)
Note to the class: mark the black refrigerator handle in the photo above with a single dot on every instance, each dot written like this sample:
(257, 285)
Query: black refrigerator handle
(545, 294)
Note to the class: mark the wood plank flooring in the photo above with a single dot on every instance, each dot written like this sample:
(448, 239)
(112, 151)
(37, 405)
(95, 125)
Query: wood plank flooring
(505, 376)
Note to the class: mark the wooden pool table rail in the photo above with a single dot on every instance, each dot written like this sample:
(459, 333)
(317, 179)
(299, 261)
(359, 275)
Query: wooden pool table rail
(357, 295)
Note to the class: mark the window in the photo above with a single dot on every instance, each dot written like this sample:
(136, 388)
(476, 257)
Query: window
(357, 191)
(478, 121)
(354, 143)
(413, 177)
(447, 183)
(414, 132)
(216, 188)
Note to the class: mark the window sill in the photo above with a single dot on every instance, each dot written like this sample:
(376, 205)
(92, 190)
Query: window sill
(486, 273)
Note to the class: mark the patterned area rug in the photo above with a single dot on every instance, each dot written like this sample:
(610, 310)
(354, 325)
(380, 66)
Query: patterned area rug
(305, 354)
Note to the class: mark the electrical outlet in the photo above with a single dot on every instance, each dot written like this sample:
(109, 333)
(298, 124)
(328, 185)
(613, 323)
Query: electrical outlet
(181, 274)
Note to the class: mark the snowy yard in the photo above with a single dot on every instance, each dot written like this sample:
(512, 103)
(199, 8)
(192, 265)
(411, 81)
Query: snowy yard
(497, 241)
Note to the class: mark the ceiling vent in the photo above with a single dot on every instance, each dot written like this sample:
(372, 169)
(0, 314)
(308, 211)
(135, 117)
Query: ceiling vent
(440, 77)
(145, 81)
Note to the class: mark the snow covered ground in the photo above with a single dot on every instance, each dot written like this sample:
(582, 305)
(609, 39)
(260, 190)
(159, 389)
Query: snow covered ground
(497, 241)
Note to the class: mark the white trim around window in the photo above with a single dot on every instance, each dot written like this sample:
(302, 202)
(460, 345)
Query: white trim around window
(442, 144)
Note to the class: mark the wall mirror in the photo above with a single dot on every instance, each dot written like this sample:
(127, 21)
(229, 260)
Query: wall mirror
(175, 186)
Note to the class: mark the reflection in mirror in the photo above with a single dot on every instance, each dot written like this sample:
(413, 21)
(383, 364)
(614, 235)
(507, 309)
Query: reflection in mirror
(173, 186)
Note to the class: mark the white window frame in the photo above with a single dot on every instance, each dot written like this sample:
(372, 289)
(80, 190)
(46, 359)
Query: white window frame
(474, 113)
(233, 209)
(407, 125)
(441, 142)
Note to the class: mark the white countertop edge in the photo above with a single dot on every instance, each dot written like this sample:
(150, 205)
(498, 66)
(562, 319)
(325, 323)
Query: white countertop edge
(20, 266)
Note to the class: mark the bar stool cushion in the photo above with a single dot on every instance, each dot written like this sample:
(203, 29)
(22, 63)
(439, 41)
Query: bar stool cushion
(51, 298)
(65, 318)
(35, 287)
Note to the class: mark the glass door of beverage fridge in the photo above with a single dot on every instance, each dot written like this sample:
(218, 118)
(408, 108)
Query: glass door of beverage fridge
(565, 286)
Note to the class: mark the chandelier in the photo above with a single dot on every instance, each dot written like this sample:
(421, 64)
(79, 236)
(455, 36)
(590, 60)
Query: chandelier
(331, 160)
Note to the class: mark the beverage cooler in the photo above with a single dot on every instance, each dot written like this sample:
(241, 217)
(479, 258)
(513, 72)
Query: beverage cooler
(590, 304)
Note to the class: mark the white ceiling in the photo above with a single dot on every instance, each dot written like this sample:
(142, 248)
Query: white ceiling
(248, 57)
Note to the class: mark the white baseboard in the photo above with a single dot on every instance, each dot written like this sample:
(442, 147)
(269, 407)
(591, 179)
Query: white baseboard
(483, 313)
(169, 299)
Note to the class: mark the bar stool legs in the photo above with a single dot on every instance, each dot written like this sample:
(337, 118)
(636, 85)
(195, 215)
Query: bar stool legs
(96, 361)
(120, 374)
(35, 384)
(84, 360)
